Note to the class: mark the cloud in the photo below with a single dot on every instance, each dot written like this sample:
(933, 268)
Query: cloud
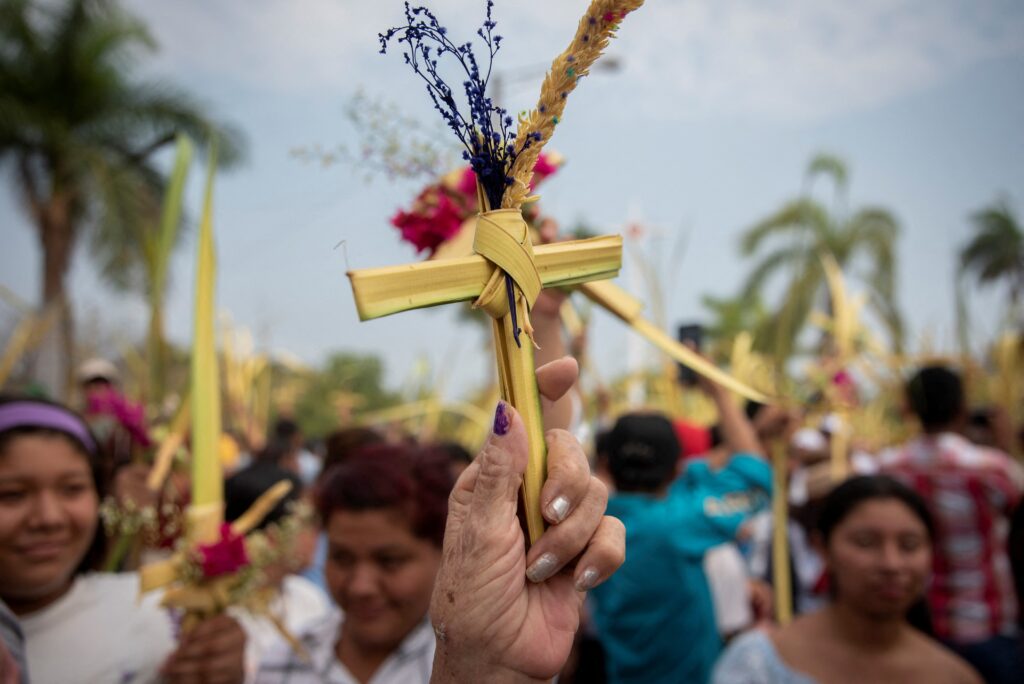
(302, 46)
(286, 47)
(808, 59)
(788, 60)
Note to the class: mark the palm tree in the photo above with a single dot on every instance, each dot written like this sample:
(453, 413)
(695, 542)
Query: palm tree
(730, 316)
(996, 254)
(80, 136)
(802, 230)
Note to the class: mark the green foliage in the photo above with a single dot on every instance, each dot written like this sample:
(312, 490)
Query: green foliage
(788, 244)
(995, 254)
(343, 373)
(729, 317)
(80, 131)
(157, 246)
(78, 124)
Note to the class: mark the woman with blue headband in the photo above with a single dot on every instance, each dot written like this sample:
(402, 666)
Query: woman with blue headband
(78, 625)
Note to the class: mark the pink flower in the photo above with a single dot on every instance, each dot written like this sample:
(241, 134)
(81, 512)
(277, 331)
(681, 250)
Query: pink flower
(440, 209)
(467, 184)
(434, 218)
(131, 416)
(542, 169)
(225, 556)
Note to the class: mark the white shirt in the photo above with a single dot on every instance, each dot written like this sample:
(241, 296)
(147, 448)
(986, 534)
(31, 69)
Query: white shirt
(410, 663)
(99, 632)
(726, 573)
(300, 604)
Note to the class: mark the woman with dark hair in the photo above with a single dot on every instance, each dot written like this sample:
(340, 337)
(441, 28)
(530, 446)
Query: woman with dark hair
(875, 535)
(497, 611)
(81, 626)
(339, 447)
(383, 510)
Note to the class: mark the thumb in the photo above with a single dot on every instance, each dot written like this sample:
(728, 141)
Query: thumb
(502, 464)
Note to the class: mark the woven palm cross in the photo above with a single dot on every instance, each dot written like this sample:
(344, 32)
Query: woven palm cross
(503, 277)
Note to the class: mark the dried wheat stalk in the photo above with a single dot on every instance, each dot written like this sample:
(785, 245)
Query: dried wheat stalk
(596, 28)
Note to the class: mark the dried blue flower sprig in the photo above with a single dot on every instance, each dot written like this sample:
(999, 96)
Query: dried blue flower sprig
(485, 133)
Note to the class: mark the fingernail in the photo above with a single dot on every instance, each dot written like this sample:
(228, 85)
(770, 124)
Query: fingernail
(558, 509)
(502, 421)
(542, 568)
(586, 580)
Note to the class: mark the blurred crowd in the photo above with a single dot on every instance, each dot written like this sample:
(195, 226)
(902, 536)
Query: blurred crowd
(747, 558)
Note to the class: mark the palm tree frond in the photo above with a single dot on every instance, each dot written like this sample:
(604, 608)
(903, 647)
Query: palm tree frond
(768, 267)
(824, 164)
(798, 218)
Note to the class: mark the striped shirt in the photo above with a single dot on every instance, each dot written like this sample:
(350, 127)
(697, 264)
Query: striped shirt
(411, 662)
(971, 492)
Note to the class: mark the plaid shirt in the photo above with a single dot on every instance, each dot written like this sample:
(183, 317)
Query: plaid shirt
(411, 662)
(971, 492)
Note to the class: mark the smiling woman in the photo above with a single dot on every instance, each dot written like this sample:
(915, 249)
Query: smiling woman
(49, 498)
(50, 488)
(384, 512)
(81, 626)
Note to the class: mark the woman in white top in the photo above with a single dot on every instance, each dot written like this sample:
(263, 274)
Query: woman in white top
(80, 626)
(875, 536)
(383, 511)
(498, 612)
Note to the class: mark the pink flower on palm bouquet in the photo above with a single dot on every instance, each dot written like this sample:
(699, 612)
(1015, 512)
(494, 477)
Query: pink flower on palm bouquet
(131, 416)
(440, 209)
(546, 165)
(225, 556)
(433, 219)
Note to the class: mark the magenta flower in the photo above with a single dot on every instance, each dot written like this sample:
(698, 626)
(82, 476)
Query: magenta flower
(225, 556)
(434, 218)
(441, 208)
(131, 416)
(543, 168)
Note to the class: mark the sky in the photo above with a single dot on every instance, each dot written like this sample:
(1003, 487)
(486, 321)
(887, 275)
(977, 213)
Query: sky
(706, 128)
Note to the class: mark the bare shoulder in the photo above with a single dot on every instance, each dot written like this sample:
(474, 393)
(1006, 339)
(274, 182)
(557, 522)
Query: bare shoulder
(940, 664)
(792, 640)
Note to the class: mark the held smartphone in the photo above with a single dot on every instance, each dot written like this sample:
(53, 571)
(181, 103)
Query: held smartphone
(690, 333)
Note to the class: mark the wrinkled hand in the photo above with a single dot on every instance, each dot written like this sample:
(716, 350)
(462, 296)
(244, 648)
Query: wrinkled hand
(212, 653)
(502, 614)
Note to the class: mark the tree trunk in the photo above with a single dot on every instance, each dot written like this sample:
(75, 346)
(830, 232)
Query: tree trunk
(55, 360)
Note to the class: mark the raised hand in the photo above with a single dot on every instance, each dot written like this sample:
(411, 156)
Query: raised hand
(500, 613)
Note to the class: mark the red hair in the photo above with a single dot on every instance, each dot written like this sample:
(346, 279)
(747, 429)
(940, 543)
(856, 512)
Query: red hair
(404, 477)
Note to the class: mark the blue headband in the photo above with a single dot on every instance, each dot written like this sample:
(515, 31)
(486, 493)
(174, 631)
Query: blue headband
(35, 414)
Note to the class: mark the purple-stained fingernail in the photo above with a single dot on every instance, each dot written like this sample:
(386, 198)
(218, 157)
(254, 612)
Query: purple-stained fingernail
(502, 422)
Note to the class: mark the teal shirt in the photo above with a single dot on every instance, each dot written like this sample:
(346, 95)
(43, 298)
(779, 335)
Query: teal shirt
(734, 493)
(654, 616)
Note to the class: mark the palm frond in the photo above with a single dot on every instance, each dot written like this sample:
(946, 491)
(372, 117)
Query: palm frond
(128, 207)
(779, 334)
(156, 112)
(997, 249)
(798, 218)
(769, 266)
(825, 164)
(873, 232)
